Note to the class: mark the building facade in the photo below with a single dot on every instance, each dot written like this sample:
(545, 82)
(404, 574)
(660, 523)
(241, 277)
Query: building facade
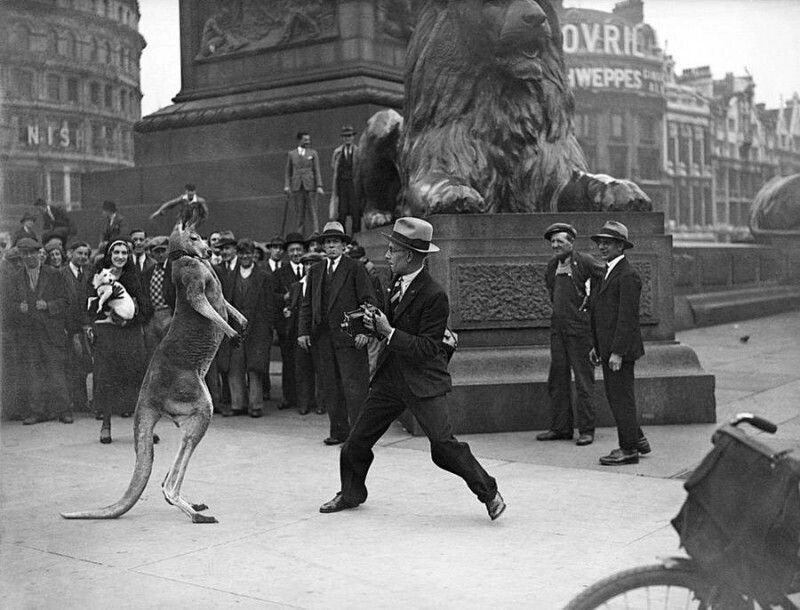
(70, 95)
(615, 68)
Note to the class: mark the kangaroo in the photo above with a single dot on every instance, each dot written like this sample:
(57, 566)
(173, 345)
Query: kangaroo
(174, 384)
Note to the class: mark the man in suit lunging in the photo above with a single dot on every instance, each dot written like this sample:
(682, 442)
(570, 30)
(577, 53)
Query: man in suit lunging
(411, 374)
(337, 285)
(614, 308)
(303, 181)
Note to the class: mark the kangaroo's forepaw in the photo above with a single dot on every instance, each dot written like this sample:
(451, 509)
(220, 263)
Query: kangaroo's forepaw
(199, 507)
(204, 519)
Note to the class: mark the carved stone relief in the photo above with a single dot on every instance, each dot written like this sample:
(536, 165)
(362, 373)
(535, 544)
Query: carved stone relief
(239, 26)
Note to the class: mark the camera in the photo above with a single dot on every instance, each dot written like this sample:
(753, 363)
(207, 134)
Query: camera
(353, 322)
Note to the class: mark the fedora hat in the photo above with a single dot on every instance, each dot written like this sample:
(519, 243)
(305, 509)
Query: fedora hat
(333, 229)
(226, 238)
(294, 238)
(414, 234)
(560, 227)
(28, 243)
(614, 230)
(347, 130)
(276, 241)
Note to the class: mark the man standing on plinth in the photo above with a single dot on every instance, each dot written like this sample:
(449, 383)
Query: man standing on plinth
(568, 279)
(411, 374)
(343, 194)
(303, 181)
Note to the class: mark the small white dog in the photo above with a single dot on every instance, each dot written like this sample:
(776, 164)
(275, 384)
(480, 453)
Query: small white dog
(111, 292)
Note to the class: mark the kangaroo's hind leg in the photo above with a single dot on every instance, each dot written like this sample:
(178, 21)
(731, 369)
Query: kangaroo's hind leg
(193, 427)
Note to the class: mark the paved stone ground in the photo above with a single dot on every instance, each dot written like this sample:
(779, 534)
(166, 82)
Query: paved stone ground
(421, 541)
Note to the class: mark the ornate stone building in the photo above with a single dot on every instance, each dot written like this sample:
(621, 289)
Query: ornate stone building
(69, 96)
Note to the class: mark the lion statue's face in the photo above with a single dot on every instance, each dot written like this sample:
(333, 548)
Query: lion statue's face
(518, 35)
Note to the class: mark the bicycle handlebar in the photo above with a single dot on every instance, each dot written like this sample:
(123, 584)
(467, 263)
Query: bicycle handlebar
(754, 420)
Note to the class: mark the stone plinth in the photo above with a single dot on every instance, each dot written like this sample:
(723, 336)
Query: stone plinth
(493, 269)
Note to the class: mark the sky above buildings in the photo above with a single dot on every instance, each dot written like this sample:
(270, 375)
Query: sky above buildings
(739, 36)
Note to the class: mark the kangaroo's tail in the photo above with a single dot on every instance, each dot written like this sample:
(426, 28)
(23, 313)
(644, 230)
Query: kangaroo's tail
(143, 439)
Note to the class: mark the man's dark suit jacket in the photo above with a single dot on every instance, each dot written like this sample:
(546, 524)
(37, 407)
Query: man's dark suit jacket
(302, 171)
(350, 288)
(77, 295)
(283, 279)
(113, 230)
(60, 225)
(615, 313)
(416, 347)
(50, 323)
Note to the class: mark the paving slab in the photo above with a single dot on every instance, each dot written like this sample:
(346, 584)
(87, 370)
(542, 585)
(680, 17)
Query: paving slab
(421, 540)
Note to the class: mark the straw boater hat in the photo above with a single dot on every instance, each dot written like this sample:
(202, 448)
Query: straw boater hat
(614, 230)
(560, 227)
(333, 229)
(414, 234)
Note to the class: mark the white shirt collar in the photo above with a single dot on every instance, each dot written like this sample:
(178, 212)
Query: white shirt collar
(405, 280)
(612, 264)
(334, 263)
(75, 270)
(245, 272)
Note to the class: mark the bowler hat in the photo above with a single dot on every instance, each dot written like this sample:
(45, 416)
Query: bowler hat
(560, 227)
(28, 243)
(414, 234)
(311, 257)
(295, 238)
(159, 241)
(347, 130)
(276, 241)
(226, 238)
(614, 230)
(333, 229)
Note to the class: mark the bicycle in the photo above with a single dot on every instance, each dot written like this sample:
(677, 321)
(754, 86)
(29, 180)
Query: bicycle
(740, 526)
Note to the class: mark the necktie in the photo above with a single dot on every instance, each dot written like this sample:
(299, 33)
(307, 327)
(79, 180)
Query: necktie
(396, 294)
(299, 272)
(330, 270)
(80, 276)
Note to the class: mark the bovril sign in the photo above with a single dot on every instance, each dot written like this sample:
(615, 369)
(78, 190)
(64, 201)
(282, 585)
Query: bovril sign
(613, 56)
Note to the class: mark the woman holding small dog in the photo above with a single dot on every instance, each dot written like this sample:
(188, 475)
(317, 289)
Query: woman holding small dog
(117, 337)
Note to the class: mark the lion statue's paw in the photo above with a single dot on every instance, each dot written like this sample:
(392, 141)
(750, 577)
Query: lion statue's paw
(376, 218)
(625, 196)
(441, 194)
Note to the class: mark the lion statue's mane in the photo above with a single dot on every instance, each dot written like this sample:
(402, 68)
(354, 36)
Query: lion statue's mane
(487, 123)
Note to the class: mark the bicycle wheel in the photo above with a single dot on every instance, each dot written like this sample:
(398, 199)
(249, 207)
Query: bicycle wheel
(655, 586)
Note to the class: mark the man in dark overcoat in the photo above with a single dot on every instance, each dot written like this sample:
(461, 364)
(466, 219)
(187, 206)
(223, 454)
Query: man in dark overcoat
(252, 294)
(55, 222)
(39, 302)
(614, 306)
(77, 278)
(411, 374)
(337, 285)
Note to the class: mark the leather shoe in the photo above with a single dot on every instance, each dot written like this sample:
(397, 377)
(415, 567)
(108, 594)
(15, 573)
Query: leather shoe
(105, 436)
(283, 406)
(66, 418)
(320, 410)
(585, 439)
(256, 413)
(338, 503)
(332, 441)
(127, 414)
(643, 446)
(620, 457)
(552, 435)
(33, 419)
(303, 411)
(495, 506)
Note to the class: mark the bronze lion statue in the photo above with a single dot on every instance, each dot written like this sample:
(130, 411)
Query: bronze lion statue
(776, 207)
(488, 121)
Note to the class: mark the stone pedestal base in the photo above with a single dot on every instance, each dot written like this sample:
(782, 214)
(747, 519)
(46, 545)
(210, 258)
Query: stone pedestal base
(505, 390)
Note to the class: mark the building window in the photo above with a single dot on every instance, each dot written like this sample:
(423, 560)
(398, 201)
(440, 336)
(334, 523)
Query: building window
(57, 190)
(124, 58)
(683, 150)
(21, 37)
(648, 163)
(617, 126)
(123, 101)
(697, 206)
(109, 57)
(618, 161)
(53, 88)
(52, 42)
(75, 189)
(732, 124)
(22, 186)
(106, 8)
(684, 206)
(73, 96)
(97, 138)
(94, 94)
(72, 45)
(647, 129)
(94, 52)
(585, 126)
(21, 84)
(108, 97)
